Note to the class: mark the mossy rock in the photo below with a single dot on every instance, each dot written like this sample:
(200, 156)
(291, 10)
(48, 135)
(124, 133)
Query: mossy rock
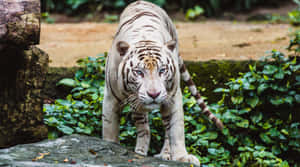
(22, 79)
(55, 74)
(208, 76)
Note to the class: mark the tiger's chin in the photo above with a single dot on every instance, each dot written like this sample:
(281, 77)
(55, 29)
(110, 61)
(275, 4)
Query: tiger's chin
(151, 106)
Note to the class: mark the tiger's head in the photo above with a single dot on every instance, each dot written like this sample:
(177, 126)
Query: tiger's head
(148, 72)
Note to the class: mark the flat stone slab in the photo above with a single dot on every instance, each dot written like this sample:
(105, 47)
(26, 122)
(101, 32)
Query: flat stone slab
(78, 151)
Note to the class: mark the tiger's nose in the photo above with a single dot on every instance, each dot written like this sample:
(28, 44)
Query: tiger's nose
(153, 94)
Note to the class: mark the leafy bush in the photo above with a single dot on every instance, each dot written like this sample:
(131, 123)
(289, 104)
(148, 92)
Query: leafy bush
(81, 110)
(294, 16)
(260, 111)
(212, 7)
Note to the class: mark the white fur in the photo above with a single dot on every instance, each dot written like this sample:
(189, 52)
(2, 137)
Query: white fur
(115, 94)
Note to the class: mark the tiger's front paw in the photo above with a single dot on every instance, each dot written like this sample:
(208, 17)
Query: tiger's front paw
(141, 151)
(164, 156)
(188, 158)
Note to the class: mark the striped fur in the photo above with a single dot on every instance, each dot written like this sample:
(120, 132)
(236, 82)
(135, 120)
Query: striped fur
(143, 69)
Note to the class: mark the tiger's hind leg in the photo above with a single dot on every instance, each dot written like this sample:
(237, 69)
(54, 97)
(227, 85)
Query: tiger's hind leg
(143, 132)
(175, 131)
(110, 117)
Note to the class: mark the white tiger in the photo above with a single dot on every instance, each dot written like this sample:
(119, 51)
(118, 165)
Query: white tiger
(143, 70)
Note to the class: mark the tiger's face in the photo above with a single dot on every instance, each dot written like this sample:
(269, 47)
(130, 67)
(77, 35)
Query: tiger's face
(148, 72)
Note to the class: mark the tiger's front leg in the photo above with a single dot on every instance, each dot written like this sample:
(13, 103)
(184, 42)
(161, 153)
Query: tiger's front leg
(165, 152)
(143, 132)
(110, 117)
(175, 131)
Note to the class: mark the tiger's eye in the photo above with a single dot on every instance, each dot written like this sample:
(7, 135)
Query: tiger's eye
(161, 71)
(139, 72)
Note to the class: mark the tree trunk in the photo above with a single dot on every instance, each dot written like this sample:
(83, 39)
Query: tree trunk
(19, 23)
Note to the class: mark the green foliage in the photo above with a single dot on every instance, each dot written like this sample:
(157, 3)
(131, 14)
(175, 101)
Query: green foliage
(260, 111)
(81, 110)
(294, 16)
(193, 13)
(212, 7)
(295, 44)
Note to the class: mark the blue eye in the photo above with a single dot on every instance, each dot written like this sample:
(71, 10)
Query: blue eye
(161, 71)
(139, 72)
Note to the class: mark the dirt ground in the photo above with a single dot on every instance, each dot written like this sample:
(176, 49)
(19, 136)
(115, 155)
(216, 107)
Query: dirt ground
(66, 43)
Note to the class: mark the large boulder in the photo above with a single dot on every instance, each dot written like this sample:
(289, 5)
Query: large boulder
(23, 73)
(78, 151)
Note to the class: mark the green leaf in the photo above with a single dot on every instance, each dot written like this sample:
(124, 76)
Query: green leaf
(274, 132)
(266, 125)
(269, 69)
(53, 121)
(119, 3)
(159, 2)
(264, 137)
(65, 129)
(279, 75)
(81, 125)
(256, 118)
(190, 14)
(221, 90)
(266, 77)
(67, 82)
(87, 130)
(297, 98)
(85, 84)
(209, 136)
(212, 151)
(277, 100)
(79, 74)
(202, 142)
(231, 140)
(276, 150)
(198, 10)
(261, 88)
(284, 131)
(237, 100)
(289, 99)
(253, 101)
(52, 135)
(243, 124)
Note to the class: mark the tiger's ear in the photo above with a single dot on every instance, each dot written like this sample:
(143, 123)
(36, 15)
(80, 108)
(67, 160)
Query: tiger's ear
(122, 47)
(171, 45)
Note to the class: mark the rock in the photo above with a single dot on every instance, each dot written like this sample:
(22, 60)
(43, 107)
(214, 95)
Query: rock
(78, 151)
(23, 75)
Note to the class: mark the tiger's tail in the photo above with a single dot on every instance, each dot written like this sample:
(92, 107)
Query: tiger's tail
(186, 77)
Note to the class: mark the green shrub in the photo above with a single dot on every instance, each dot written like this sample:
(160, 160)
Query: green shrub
(260, 111)
(81, 110)
(212, 7)
(294, 16)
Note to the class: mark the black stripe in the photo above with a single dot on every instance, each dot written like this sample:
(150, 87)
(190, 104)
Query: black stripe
(182, 68)
(123, 76)
(202, 106)
(198, 96)
(189, 82)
